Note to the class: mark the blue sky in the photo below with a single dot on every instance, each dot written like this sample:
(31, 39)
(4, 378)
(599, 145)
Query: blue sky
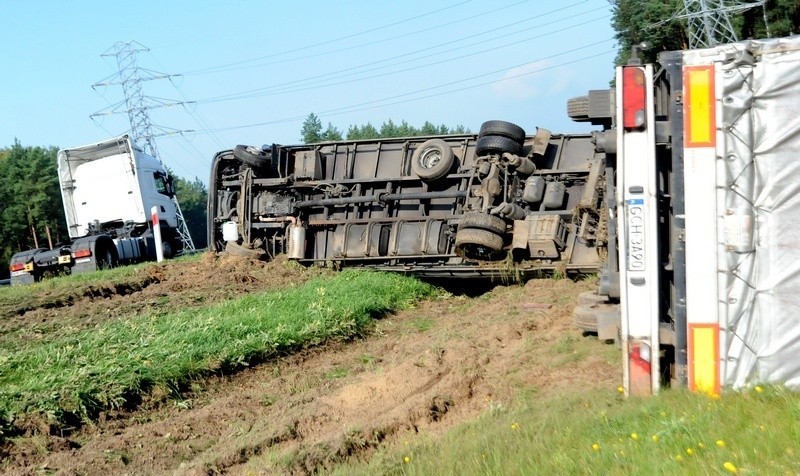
(249, 72)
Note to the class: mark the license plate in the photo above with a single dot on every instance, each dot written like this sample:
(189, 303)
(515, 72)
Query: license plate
(635, 232)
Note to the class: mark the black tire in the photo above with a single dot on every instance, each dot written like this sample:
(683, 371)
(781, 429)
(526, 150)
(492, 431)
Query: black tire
(578, 109)
(235, 249)
(481, 245)
(591, 298)
(252, 156)
(488, 145)
(483, 221)
(585, 319)
(105, 258)
(432, 159)
(503, 129)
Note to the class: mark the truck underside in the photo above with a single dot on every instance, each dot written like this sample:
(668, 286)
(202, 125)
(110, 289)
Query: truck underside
(495, 204)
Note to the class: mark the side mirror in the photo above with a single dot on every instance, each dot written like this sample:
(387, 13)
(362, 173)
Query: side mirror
(170, 186)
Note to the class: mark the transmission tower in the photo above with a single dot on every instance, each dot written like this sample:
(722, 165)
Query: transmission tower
(136, 105)
(709, 20)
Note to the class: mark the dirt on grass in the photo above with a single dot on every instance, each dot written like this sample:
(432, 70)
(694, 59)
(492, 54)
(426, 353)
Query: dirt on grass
(422, 370)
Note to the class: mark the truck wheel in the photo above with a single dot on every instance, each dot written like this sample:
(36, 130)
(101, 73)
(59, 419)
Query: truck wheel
(595, 319)
(477, 244)
(432, 159)
(488, 145)
(504, 129)
(105, 258)
(235, 249)
(585, 319)
(483, 221)
(252, 156)
(578, 108)
(590, 298)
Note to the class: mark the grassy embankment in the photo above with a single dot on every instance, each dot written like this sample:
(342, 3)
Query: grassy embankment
(76, 374)
(754, 431)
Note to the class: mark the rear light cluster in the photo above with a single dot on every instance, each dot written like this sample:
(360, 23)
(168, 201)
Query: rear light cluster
(82, 253)
(17, 267)
(634, 98)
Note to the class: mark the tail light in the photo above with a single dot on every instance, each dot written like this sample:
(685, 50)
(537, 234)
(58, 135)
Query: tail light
(81, 253)
(17, 267)
(639, 369)
(634, 98)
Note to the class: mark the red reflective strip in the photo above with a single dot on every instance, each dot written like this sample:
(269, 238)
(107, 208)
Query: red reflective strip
(154, 218)
(17, 267)
(634, 98)
(82, 253)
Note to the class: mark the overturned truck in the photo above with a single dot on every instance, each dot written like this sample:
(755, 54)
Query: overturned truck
(499, 203)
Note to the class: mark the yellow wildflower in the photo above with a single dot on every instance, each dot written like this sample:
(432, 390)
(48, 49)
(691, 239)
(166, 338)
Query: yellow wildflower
(596, 447)
(720, 443)
(621, 389)
(701, 445)
(634, 436)
(406, 459)
(515, 426)
(689, 451)
(679, 458)
(654, 438)
(730, 467)
(759, 389)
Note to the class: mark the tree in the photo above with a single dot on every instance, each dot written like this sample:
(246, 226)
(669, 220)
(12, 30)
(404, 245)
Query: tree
(366, 131)
(30, 200)
(636, 21)
(312, 129)
(331, 133)
(193, 197)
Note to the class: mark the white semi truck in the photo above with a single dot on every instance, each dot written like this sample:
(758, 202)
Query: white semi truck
(686, 201)
(108, 191)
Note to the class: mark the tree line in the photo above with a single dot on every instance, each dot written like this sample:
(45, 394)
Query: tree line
(637, 21)
(313, 131)
(32, 212)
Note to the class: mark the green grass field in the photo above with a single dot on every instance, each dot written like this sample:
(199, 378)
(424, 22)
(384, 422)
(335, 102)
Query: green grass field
(79, 373)
(750, 432)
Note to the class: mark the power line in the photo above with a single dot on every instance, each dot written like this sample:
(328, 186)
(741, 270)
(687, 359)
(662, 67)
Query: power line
(321, 84)
(227, 66)
(374, 103)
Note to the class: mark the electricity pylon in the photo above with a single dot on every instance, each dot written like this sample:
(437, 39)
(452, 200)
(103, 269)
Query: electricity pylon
(709, 20)
(136, 106)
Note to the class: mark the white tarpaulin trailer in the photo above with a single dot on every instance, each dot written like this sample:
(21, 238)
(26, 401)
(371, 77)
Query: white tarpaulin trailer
(718, 303)
(743, 222)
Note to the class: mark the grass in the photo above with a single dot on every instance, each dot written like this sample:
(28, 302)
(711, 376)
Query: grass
(52, 291)
(598, 432)
(79, 373)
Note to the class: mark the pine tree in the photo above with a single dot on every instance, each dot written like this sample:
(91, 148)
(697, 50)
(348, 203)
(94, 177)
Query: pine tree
(312, 129)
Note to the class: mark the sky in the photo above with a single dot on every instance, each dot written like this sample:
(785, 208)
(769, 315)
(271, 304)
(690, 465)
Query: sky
(250, 72)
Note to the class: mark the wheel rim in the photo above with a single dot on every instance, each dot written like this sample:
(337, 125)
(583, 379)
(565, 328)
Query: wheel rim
(480, 252)
(430, 158)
